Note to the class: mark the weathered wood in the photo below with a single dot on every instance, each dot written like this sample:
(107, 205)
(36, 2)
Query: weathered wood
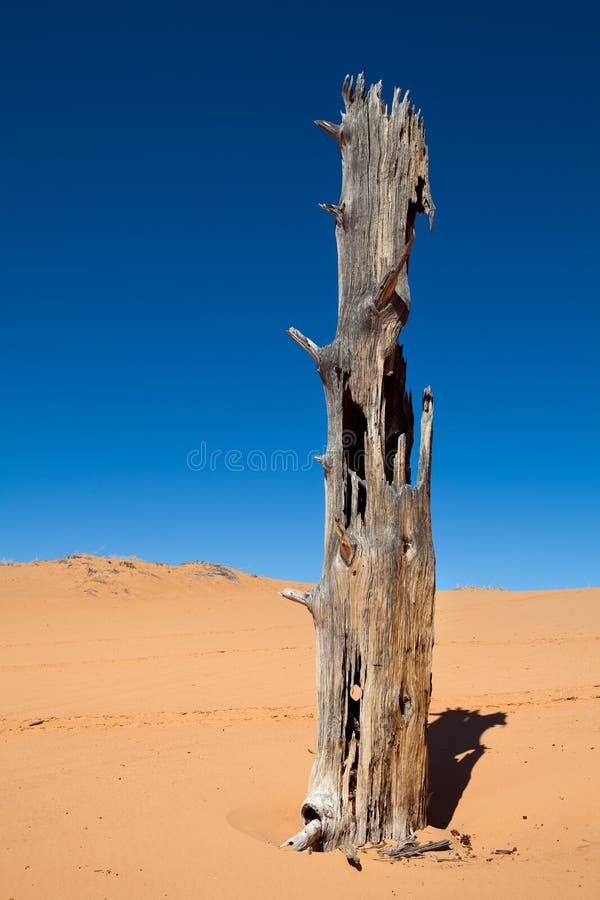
(335, 211)
(329, 128)
(309, 835)
(373, 608)
(302, 597)
(306, 343)
(406, 849)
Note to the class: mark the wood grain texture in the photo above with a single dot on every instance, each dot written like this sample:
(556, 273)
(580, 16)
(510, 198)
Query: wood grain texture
(373, 608)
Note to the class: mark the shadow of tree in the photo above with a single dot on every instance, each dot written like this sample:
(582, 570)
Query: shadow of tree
(455, 733)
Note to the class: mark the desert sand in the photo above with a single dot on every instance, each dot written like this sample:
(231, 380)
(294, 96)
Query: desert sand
(158, 728)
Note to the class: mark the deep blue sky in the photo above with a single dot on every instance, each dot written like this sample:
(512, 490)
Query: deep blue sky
(160, 175)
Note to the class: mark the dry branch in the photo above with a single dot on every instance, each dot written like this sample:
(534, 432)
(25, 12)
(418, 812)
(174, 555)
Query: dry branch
(305, 343)
(409, 848)
(302, 597)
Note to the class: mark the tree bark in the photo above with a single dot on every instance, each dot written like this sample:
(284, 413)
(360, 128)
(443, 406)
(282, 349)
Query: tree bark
(373, 608)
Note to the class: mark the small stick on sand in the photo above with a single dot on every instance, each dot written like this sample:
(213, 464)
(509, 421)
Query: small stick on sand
(413, 848)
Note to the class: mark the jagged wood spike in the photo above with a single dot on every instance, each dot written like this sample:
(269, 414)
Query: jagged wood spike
(400, 461)
(347, 547)
(354, 500)
(388, 285)
(424, 473)
(348, 90)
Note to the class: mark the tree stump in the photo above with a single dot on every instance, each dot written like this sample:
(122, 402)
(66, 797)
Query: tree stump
(373, 608)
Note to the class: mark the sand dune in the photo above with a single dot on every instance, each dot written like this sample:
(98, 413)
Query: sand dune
(158, 726)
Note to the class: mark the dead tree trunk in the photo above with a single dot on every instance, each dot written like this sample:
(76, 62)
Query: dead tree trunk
(373, 609)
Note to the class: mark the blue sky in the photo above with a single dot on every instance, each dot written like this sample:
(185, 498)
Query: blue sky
(160, 231)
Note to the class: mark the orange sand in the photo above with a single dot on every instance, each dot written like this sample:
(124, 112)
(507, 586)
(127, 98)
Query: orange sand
(179, 729)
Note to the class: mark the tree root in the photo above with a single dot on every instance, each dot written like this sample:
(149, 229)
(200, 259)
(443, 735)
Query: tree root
(309, 835)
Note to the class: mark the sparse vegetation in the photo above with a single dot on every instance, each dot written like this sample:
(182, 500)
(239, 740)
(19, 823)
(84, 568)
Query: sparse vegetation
(216, 569)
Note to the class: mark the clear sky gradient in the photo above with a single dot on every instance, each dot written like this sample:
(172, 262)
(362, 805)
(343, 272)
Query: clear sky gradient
(160, 175)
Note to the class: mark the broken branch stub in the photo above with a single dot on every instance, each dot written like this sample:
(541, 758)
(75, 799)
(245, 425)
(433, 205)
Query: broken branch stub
(302, 597)
(309, 835)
